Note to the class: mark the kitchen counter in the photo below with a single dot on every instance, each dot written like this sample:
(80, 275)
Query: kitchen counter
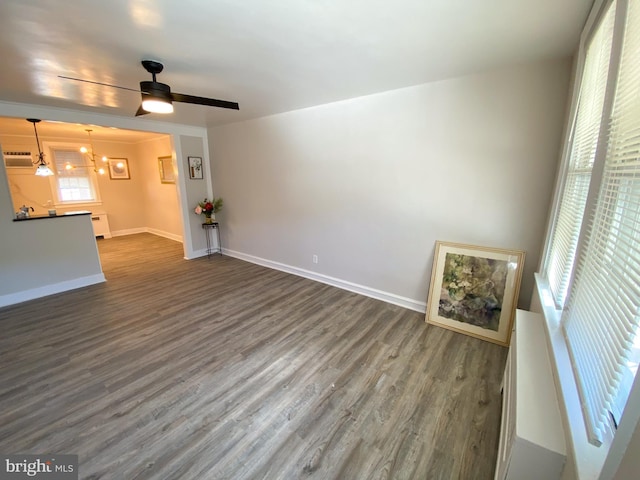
(40, 217)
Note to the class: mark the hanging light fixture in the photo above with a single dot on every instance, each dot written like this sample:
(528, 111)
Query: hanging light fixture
(43, 169)
(92, 155)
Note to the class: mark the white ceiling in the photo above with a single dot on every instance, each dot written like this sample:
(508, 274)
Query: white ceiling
(270, 56)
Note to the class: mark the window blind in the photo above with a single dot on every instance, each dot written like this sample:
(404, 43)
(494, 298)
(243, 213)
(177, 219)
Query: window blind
(566, 230)
(602, 314)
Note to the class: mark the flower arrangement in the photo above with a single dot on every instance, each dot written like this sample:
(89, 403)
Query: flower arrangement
(209, 207)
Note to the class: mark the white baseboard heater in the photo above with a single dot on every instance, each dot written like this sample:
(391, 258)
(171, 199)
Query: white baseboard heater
(532, 445)
(100, 224)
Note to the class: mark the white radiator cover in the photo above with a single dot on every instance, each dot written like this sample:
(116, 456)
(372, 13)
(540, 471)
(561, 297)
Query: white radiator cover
(532, 444)
(100, 224)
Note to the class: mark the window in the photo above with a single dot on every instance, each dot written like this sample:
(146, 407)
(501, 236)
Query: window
(593, 253)
(74, 180)
(582, 152)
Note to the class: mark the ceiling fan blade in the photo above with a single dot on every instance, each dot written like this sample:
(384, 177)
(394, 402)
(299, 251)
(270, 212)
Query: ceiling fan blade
(141, 111)
(98, 83)
(211, 102)
(161, 91)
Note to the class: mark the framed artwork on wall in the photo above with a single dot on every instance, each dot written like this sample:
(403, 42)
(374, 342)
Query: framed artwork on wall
(119, 169)
(195, 168)
(165, 165)
(474, 290)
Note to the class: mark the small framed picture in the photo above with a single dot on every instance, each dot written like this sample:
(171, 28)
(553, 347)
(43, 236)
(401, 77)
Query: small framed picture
(165, 164)
(119, 169)
(474, 290)
(195, 168)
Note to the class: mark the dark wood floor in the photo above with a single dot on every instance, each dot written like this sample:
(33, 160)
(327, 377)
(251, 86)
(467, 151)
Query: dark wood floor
(220, 369)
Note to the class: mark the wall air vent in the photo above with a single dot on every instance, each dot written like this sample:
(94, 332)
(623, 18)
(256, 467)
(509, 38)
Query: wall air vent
(17, 159)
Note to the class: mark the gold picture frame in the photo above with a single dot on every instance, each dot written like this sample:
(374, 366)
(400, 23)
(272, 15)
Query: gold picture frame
(165, 165)
(474, 290)
(119, 169)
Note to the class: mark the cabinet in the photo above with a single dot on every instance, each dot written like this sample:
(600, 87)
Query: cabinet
(531, 443)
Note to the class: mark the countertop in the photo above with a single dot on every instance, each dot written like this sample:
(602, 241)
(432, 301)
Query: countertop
(40, 217)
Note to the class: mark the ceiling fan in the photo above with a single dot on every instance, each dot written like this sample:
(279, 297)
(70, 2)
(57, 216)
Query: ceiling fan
(157, 97)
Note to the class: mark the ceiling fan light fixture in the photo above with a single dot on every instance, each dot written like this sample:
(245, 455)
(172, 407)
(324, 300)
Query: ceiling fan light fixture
(156, 105)
(156, 97)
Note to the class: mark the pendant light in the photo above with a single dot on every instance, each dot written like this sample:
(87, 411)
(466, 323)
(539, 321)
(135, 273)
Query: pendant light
(92, 155)
(43, 169)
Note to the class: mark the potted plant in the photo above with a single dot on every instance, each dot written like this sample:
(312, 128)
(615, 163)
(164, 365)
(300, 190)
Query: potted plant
(209, 208)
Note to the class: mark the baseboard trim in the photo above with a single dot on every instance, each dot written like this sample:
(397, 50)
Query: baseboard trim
(197, 254)
(128, 231)
(392, 298)
(161, 233)
(202, 253)
(154, 231)
(46, 290)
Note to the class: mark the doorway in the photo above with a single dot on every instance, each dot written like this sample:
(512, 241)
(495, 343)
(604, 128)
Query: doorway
(129, 196)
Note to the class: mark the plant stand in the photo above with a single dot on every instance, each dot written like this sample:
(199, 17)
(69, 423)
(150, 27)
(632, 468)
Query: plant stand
(207, 230)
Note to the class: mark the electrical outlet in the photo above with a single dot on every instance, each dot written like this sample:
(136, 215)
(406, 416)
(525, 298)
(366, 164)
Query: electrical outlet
(315, 259)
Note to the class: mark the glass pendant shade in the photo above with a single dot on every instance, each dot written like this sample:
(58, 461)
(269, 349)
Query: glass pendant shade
(43, 171)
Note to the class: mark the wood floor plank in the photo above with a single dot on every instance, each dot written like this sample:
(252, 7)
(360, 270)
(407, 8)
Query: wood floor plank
(221, 369)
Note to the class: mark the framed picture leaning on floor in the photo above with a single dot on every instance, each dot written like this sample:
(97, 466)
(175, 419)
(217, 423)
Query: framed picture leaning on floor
(474, 290)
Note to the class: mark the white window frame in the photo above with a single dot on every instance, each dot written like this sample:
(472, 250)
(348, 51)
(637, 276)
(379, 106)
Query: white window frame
(588, 460)
(561, 177)
(49, 148)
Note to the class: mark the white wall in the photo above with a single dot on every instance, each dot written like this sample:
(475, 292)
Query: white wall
(370, 184)
(194, 192)
(161, 212)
